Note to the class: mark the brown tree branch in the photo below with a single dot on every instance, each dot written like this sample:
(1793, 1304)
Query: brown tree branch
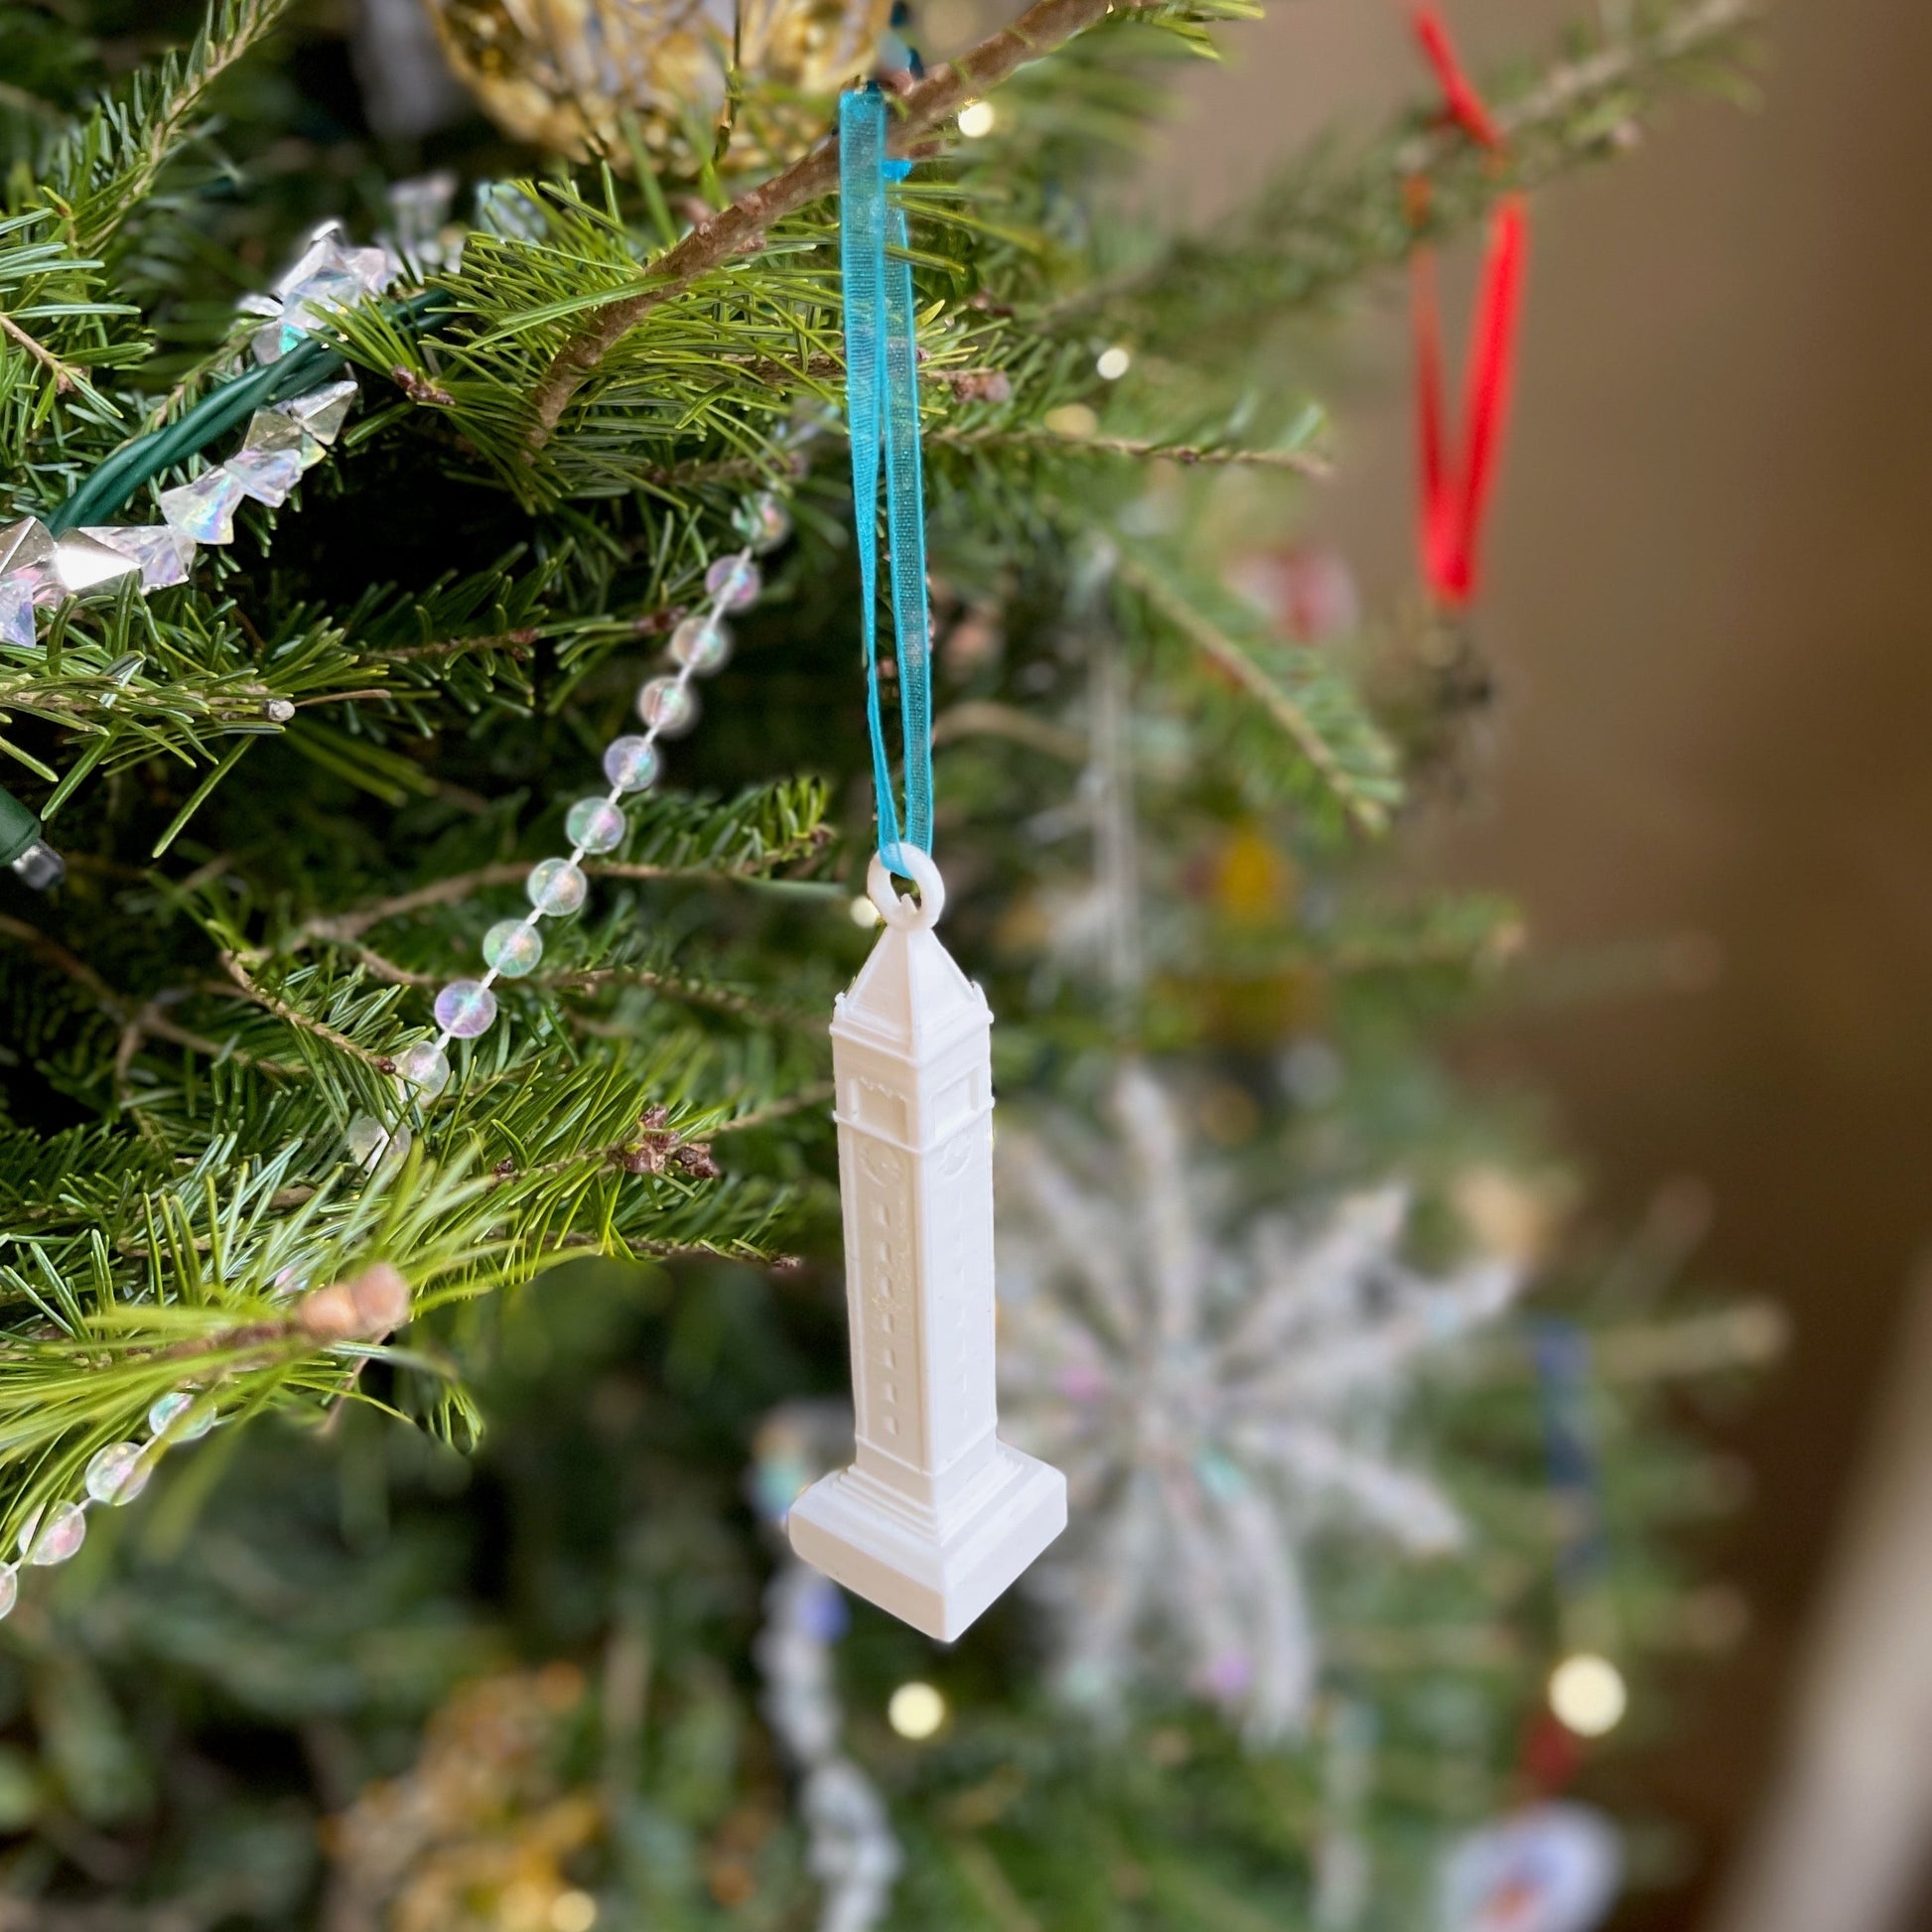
(793, 1103)
(64, 377)
(138, 1021)
(246, 989)
(1370, 815)
(982, 717)
(340, 928)
(1305, 462)
(936, 98)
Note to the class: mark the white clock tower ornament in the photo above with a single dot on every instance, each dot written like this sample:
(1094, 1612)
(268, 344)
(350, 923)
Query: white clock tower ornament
(937, 1515)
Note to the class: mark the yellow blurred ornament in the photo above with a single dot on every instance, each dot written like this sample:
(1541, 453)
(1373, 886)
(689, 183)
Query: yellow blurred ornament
(1515, 1215)
(571, 74)
(1254, 879)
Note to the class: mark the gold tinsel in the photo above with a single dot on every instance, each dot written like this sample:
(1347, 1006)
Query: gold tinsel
(570, 75)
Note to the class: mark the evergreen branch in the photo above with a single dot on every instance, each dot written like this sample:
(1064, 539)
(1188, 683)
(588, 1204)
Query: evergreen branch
(339, 927)
(795, 1103)
(1365, 802)
(985, 717)
(1303, 462)
(742, 226)
(245, 988)
(673, 986)
(1319, 225)
(511, 643)
(49, 951)
(1572, 83)
(137, 1020)
(109, 163)
(590, 979)
(64, 378)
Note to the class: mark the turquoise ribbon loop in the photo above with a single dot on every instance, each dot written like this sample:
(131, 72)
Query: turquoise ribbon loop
(882, 387)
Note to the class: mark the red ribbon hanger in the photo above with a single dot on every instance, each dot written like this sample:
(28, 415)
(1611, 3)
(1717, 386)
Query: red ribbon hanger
(1456, 487)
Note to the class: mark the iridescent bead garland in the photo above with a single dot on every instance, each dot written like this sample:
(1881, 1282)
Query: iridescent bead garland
(556, 886)
(115, 1475)
(282, 442)
(38, 568)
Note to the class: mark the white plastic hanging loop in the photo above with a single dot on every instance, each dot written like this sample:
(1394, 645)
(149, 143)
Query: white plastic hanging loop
(912, 914)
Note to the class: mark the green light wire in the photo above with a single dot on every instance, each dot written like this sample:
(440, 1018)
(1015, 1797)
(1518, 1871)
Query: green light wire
(137, 463)
(114, 483)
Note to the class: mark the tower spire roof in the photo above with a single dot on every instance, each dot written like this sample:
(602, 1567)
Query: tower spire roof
(910, 996)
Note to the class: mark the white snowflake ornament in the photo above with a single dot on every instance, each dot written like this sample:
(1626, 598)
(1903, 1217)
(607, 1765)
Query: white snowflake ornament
(1214, 1403)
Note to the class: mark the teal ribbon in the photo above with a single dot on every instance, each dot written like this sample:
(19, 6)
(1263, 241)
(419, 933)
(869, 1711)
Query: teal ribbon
(882, 388)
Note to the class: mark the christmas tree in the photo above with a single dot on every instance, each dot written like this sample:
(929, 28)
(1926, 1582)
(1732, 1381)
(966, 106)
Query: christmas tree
(420, 1248)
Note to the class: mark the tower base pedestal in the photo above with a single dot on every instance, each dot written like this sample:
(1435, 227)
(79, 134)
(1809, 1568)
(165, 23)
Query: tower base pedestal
(936, 1575)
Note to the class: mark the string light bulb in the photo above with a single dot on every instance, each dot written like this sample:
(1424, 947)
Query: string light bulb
(1588, 1695)
(916, 1711)
(573, 1911)
(976, 119)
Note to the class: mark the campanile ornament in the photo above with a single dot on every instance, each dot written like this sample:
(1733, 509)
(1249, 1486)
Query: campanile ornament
(937, 1515)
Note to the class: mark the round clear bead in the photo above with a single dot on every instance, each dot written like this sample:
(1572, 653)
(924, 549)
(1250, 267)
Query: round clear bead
(55, 1537)
(512, 947)
(734, 582)
(466, 1008)
(630, 763)
(119, 1472)
(423, 1068)
(166, 1413)
(701, 643)
(556, 886)
(365, 1137)
(9, 1587)
(595, 824)
(668, 705)
(767, 522)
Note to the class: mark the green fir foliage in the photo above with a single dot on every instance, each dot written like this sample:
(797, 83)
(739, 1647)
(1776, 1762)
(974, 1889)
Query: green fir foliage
(295, 791)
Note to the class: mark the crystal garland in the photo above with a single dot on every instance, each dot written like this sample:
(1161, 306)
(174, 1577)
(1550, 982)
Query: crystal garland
(364, 1308)
(115, 1475)
(282, 442)
(668, 707)
(39, 568)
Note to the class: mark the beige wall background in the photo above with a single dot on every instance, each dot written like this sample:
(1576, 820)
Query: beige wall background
(1710, 608)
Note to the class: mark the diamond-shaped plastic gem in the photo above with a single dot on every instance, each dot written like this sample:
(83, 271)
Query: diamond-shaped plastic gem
(81, 562)
(322, 412)
(328, 253)
(164, 555)
(328, 288)
(205, 509)
(25, 544)
(271, 432)
(273, 340)
(17, 610)
(325, 245)
(328, 275)
(377, 266)
(265, 474)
